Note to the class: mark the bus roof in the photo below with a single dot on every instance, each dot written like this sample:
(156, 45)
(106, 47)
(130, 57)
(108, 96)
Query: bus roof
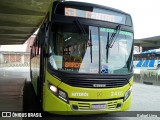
(114, 15)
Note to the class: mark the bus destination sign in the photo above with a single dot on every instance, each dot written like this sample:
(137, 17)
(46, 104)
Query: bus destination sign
(104, 16)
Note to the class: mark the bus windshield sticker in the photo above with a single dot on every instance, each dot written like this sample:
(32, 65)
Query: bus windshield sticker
(93, 70)
(112, 30)
(104, 69)
(73, 65)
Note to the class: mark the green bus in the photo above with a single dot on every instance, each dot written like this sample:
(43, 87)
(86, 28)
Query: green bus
(82, 59)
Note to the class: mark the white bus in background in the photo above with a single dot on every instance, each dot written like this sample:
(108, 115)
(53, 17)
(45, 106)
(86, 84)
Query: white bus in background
(147, 60)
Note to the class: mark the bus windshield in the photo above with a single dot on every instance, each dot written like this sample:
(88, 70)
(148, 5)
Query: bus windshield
(71, 50)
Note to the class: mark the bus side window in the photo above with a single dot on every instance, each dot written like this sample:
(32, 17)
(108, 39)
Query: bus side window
(41, 36)
(34, 48)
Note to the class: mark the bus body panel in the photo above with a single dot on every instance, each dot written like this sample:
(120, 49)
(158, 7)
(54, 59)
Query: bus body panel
(109, 96)
(93, 93)
(52, 79)
(52, 104)
(35, 67)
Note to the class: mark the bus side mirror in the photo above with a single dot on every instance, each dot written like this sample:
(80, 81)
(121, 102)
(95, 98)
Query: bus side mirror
(42, 36)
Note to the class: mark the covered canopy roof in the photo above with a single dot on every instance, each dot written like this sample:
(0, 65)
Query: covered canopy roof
(20, 18)
(148, 43)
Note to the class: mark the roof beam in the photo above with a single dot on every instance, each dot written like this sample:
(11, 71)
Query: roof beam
(16, 30)
(34, 7)
(20, 20)
(17, 41)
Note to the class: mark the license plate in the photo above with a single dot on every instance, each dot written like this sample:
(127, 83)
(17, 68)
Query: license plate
(98, 106)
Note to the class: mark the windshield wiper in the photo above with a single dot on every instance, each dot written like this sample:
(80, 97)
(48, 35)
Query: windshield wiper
(113, 37)
(89, 41)
(90, 44)
(107, 48)
(81, 28)
(111, 40)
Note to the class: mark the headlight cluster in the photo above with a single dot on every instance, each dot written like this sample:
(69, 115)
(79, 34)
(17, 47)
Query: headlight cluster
(127, 94)
(58, 92)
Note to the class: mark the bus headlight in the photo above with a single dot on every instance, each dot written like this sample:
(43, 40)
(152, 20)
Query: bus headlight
(127, 94)
(53, 88)
(59, 93)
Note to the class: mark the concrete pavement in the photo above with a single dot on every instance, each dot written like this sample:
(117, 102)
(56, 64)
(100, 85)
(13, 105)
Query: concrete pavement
(145, 97)
(11, 94)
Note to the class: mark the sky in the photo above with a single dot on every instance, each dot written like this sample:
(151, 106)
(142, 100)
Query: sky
(145, 14)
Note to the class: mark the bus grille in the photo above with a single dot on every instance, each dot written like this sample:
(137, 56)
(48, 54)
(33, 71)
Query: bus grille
(96, 82)
(111, 105)
(86, 106)
(83, 106)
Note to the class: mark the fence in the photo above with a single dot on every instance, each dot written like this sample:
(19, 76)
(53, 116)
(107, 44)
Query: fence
(14, 59)
(148, 76)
